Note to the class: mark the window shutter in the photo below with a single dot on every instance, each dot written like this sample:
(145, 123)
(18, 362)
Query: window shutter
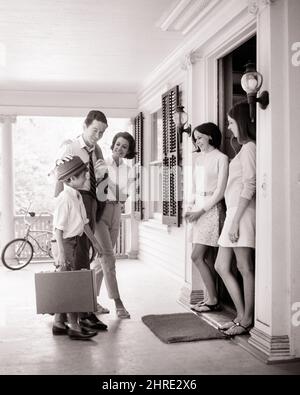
(138, 135)
(170, 187)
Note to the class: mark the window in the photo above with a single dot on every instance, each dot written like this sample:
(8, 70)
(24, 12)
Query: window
(138, 164)
(171, 187)
(155, 166)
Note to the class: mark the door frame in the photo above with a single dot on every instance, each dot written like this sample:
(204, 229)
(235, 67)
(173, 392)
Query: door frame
(220, 49)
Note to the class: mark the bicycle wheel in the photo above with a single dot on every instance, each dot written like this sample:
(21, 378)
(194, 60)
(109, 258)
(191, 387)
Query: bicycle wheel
(17, 254)
(49, 248)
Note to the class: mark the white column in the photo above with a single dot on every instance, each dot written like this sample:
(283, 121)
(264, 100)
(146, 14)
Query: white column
(294, 169)
(132, 225)
(272, 333)
(7, 184)
(193, 289)
(133, 229)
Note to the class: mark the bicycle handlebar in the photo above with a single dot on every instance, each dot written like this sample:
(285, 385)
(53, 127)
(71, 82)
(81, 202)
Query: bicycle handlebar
(32, 215)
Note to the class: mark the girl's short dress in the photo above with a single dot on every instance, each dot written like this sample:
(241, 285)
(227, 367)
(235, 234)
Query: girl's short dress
(246, 229)
(208, 228)
(242, 165)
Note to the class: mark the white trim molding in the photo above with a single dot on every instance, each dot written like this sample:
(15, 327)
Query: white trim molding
(226, 13)
(277, 348)
(8, 117)
(190, 59)
(186, 14)
(256, 6)
(61, 103)
(189, 296)
(165, 23)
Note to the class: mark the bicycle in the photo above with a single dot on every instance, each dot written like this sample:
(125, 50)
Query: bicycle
(19, 252)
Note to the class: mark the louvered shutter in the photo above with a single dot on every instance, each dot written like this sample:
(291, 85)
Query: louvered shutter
(138, 135)
(170, 187)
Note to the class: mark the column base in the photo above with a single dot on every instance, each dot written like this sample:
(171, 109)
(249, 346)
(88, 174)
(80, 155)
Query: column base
(132, 254)
(190, 296)
(274, 348)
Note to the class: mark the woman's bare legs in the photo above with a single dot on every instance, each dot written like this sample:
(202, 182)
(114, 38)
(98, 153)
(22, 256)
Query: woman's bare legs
(223, 267)
(246, 267)
(207, 272)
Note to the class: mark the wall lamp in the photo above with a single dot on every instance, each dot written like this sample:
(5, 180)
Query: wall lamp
(251, 83)
(180, 119)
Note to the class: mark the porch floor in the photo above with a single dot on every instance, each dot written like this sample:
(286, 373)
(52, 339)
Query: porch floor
(128, 347)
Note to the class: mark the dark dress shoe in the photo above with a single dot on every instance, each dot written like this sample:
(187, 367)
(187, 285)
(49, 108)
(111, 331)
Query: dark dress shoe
(89, 331)
(57, 330)
(92, 322)
(82, 334)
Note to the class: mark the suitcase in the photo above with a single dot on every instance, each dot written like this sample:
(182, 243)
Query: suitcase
(66, 292)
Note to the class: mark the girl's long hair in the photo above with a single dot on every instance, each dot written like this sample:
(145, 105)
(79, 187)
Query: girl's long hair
(246, 129)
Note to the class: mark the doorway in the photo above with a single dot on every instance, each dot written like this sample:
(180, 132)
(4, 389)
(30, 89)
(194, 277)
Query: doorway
(230, 70)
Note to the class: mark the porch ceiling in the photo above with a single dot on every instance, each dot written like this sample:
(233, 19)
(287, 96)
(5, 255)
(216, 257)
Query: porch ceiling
(82, 45)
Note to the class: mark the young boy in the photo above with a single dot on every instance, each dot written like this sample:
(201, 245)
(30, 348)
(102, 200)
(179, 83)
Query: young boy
(69, 223)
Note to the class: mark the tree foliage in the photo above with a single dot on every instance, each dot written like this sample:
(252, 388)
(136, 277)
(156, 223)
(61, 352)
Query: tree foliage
(36, 143)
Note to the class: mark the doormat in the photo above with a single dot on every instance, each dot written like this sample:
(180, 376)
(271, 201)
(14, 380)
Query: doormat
(181, 327)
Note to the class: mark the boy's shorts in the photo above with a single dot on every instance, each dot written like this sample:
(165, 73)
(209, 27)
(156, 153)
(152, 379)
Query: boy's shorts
(70, 247)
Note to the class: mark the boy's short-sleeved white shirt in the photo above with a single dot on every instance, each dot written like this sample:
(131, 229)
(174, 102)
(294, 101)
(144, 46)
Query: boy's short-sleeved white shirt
(69, 213)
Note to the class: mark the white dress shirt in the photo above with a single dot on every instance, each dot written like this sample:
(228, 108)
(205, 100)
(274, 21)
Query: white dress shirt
(121, 176)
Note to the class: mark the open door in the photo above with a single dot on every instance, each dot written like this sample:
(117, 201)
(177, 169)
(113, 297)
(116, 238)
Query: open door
(230, 69)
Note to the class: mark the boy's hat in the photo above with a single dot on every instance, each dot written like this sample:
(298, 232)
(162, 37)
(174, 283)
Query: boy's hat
(69, 167)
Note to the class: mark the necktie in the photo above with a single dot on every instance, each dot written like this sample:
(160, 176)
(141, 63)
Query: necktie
(92, 176)
(117, 186)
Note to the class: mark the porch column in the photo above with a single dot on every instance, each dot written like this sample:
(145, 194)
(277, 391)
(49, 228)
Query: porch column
(133, 251)
(132, 231)
(193, 289)
(7, 175)
(276, 334)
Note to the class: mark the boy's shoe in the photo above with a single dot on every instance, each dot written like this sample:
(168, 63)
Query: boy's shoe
(82, 334)
(57, 330)
(92, 322)
(101, 309)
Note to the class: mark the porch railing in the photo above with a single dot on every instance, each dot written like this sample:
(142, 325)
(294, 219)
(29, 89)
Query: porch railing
(44, 222)
(41, 223)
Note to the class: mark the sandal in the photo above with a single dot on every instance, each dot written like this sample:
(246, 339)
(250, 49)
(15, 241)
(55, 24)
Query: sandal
(122, 313)
(197, 304)
(237, 329)
(206, 308)
(227, 325)
(101, 309)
